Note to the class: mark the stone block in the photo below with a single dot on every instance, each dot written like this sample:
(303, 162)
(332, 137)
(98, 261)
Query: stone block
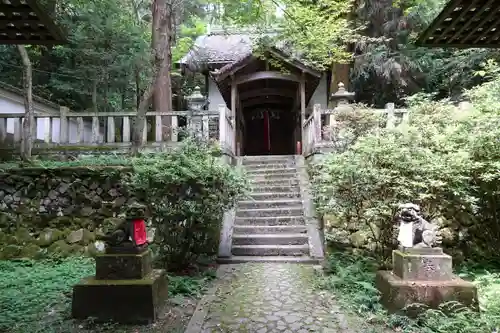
(397, 293)
(121, 301)
(123, 266)
(414, 266)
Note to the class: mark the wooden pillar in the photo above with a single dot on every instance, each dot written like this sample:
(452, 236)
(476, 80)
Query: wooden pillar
(302, 88)
(234, 92)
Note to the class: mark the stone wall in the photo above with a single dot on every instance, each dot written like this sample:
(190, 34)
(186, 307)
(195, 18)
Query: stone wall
(59, 210)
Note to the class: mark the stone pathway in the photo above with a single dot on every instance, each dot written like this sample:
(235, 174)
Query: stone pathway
(268, 298)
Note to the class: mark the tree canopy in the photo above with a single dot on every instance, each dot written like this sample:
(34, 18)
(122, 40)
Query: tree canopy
(106, 64)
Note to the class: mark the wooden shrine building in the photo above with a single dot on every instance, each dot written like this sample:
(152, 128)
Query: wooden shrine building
(270, 94)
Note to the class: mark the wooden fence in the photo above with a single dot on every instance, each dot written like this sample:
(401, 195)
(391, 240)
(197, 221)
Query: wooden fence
(315, 137)
(115, 129)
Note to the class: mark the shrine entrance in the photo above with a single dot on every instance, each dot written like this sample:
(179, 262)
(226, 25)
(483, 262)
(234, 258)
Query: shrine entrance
(267, 98)
(269, 132)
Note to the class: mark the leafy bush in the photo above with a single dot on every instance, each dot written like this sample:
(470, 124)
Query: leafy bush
(349, 124)
(446, 159)
(187, 192)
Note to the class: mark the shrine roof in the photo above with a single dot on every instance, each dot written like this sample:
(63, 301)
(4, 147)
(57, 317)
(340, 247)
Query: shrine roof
(465, 24)
(225, 49)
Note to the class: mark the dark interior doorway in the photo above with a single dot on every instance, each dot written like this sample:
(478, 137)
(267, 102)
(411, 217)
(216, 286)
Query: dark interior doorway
(269, 132)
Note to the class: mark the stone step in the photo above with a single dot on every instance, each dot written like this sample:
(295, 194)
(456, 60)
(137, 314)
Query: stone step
(270, 239)
(270, 250)
(267, 166)
(269, 160)
(271, 212)
(272, 176)
(274, 195)
(256, 204)
(269, 229)
(269, 259)
(276, 189)
(263, 171)
(270, 220)
(256, 183)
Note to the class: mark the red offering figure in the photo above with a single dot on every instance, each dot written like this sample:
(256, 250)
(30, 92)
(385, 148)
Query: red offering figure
(139, 234)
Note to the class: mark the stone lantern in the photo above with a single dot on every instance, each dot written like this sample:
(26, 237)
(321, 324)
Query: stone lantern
(342, 96)
(341, 100)
(196, 103)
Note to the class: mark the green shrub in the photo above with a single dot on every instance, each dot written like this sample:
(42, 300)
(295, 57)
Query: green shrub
(446, 159)
(187, 192)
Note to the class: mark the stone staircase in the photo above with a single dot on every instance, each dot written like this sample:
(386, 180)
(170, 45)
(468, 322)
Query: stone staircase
(269, 225)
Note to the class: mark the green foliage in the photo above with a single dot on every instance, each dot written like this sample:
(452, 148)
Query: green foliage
(187, 192)
(35, 292)
(349, 124)
(445, 159)
(351, 277)
(388, 66)
(189, 285)
(106, 64)
(36, 296)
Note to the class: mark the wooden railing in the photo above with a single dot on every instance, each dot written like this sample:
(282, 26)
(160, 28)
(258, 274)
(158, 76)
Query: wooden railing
(311, 130)
(315, 138)
(115, 129)
(227, 129)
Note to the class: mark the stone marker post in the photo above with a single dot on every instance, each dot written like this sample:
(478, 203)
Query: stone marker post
(422, 273)
(125, 288)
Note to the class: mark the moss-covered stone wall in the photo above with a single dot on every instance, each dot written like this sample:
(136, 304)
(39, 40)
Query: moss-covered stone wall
(45, 211)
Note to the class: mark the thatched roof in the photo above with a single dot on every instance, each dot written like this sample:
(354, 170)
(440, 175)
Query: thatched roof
(26, 22)
(465, 24)
(225, 50)
(218, 48)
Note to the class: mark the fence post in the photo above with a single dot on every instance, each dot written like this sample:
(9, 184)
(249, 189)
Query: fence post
(389, 109)
(317, 124)
(63, 125)
(95, 129)
(222, 125)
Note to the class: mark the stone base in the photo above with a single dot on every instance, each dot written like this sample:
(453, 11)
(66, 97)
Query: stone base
(397, 293)
(123, 266)
(428, 264)
(121, 301)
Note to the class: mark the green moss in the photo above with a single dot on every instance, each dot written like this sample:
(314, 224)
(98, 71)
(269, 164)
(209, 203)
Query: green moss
(31, 251)
(23, 236)
(61, 248)
(10, 251)
(49, 236)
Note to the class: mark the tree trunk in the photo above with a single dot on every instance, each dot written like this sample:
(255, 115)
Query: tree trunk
(137, 86)
(160, 88)
(95, 108)
(162, 36)
(27, 135)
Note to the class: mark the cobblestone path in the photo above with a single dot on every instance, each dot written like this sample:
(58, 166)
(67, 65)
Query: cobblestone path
(274, 297)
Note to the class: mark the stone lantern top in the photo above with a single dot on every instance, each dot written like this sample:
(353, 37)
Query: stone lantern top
(196, 100)
(342, 96)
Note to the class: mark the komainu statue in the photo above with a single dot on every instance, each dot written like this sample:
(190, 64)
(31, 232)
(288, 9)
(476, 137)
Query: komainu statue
(131, 233)
(414, 230)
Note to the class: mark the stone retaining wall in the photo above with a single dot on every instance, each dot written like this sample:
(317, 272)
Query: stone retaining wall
(59, 210)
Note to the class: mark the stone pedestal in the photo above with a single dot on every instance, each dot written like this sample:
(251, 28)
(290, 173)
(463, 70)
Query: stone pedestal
(125, 289)
(423, 276)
